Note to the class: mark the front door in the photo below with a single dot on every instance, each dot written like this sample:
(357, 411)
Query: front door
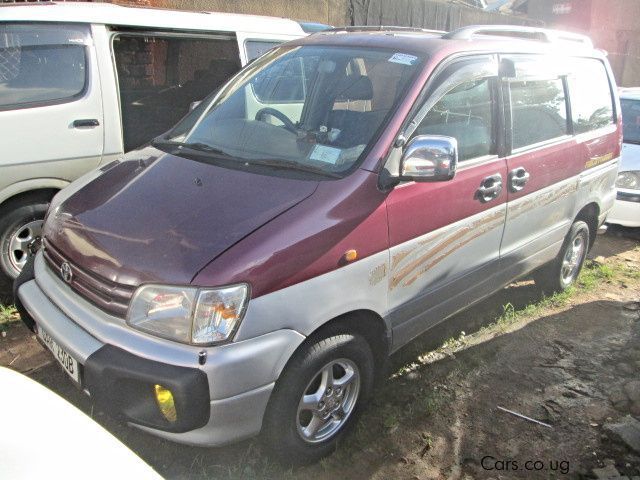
(50, 101)
(445, 236)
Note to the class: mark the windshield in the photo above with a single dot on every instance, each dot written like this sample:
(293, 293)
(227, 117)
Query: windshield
(630, 120)
(310, 108)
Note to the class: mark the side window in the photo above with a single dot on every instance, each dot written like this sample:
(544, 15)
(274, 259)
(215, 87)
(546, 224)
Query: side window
(538, 111)
(465, 113)
(160, 76)
(257, 48)
(42, 64)
(590, 93)
(287, 82)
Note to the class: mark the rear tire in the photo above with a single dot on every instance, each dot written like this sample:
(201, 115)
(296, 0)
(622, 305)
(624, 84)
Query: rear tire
(563, 272)
(317, 398)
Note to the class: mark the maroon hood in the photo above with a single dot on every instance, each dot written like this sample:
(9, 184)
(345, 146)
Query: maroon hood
(163, 218)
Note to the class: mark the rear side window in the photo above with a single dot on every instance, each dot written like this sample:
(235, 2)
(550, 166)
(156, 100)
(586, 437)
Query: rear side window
(257, 48)
(590, 92)
(287, 82)
(538, 111)
(42, 63)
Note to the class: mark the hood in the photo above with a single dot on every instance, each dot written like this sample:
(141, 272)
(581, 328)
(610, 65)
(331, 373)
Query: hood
(162, 218)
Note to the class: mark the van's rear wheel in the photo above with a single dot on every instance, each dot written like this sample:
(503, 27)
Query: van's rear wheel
(564, 270)
(20, 237)
(317, 397)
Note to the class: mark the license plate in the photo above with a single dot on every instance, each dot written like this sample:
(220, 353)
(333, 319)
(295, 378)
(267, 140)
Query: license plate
(64, 358)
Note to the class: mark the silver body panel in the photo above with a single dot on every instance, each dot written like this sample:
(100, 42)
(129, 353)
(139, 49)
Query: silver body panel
(241, 375)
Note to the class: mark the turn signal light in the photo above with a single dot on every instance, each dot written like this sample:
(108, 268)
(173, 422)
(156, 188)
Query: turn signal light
(164, 399)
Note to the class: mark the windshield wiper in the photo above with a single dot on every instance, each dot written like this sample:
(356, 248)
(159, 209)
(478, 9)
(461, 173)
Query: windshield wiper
(293, 165)
(197, 146)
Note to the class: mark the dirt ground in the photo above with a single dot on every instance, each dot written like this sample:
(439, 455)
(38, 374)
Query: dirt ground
(571, 363)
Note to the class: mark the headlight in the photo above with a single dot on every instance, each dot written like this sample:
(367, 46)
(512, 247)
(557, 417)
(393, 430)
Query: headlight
(630, 180)
(201, 316)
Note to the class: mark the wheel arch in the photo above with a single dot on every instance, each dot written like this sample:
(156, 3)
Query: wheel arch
(366, 323)
(39, 189)
(590, 214)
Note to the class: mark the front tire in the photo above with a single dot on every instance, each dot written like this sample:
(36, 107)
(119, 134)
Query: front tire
(318, 396)
(20, 234)
(564, 270)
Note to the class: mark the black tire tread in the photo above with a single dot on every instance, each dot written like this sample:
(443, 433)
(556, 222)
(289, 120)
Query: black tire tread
(283, 443)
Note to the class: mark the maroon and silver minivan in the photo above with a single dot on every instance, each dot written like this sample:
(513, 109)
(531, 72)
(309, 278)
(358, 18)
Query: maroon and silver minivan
(253, 268)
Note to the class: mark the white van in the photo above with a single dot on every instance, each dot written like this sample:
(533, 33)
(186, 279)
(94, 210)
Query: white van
(82, 83)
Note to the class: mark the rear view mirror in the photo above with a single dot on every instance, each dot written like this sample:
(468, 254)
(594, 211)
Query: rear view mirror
(429, 158)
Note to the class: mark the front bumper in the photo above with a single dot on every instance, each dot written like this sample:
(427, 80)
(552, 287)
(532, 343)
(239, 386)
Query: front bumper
(626, 209)
(219, 402)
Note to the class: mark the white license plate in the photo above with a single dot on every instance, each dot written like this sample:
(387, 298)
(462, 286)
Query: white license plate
(63, 357)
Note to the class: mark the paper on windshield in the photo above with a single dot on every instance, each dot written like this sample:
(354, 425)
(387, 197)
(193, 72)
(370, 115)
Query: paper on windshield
(322, 153)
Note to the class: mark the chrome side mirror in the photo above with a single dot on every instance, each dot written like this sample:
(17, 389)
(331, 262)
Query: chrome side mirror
(194, 105)
(429, 158)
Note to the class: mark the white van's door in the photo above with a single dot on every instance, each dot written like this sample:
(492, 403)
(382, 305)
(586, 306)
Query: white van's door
(50, 102)
(51, 126)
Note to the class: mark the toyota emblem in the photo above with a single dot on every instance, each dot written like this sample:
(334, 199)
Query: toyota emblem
(65, 272)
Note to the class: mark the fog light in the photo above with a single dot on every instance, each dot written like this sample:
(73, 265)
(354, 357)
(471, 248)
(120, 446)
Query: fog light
(164, 399)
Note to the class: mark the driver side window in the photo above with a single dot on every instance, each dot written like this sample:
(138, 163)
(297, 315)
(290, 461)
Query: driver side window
(465, 113)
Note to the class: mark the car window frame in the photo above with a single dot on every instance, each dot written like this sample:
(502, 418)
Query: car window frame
(535, 68)
(615, 104)
(88, 74)
(430, 96)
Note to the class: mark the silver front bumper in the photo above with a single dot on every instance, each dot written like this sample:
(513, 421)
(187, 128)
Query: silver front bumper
(241, 375)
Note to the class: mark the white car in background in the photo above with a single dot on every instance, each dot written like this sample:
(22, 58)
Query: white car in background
(626, 210)
(44, 436)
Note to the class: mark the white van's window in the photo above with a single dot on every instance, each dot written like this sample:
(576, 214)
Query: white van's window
(160, 76)
(41, 64)
(257, 48)
(287, 81)
(466, 114)
(590, 93)
(538, 111)
(319, 133)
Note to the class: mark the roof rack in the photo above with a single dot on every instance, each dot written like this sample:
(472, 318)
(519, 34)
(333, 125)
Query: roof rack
(546, 35)
(383, 28)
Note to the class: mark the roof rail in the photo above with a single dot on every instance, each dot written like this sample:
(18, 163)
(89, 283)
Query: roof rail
(383, 28)
(544, 34)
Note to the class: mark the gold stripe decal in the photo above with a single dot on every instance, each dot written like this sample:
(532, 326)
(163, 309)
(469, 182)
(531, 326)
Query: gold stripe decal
(599, 160)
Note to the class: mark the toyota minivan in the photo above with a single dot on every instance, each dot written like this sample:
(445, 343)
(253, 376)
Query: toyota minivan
(82, 83)
(255, 266)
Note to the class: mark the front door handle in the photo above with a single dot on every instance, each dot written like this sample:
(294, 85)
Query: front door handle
(518, 177)
(490, 188)
(86, 123)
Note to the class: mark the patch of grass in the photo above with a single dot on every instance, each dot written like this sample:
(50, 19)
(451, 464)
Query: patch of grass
(8, 315)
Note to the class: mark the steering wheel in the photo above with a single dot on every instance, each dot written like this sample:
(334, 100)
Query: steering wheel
(288, 124)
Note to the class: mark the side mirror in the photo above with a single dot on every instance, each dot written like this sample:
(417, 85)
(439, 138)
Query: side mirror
(429, 158)
(194, 105)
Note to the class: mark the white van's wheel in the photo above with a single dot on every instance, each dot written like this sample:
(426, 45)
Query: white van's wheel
(317, 397)
(564, 270)
(20, 237)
